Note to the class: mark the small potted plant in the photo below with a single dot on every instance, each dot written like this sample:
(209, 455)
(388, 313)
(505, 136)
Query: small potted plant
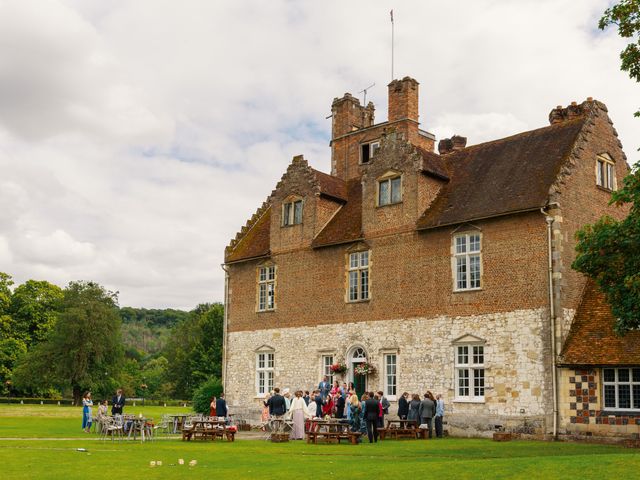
(364, 369)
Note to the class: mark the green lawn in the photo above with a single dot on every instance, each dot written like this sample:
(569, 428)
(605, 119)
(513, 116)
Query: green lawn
(257, 459)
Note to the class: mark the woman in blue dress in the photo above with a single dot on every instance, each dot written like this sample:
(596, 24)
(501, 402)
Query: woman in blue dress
(87, 403)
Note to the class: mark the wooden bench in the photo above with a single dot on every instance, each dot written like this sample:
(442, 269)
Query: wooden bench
(330, 431)
(401, 429)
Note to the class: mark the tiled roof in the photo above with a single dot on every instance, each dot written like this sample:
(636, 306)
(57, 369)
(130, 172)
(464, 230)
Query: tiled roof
(500, 177)
(434, 164)
(331, 186)
(592, 341)
(254, 243)
(346, 224)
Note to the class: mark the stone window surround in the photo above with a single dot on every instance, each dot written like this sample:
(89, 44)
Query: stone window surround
(267, 281)
(348, 269)
(470, 341)
(291, 219)
(465, 230)
(605, 177)
(388, 177)
(266, 351)
(383, 352)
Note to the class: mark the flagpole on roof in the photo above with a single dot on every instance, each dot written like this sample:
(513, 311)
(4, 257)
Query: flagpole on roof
(391, 44)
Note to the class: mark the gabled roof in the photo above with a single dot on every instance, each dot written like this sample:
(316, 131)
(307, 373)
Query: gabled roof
(592, 341)
(254, 242)
(330, 186)
(504, 176)
(346, 224)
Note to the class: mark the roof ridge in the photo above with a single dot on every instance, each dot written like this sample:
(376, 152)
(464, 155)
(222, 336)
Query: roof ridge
(266, 205)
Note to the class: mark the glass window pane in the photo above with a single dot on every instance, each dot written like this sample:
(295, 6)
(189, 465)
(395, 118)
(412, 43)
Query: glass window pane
(478, 354)
(461, 244)
(463, 355)
(474, 243)
(263, 274)
(373, 148)
(463, 382)
(270, 295)
(269, 381)
(396, 191)
(636, 396)
(353, 260)
(636, 374)
(286, 215)
(609, 375)
(364, 259)
(297, 212)
(461, 272)
(610, 176)
(624, 396)
(383, 194)
(478, 382)
(610, 396)
(353, 285)
(474, 271)
(600, 173)
(270, 360)
(623, 375)
(272, 273)
(364, 286)
(262, 300)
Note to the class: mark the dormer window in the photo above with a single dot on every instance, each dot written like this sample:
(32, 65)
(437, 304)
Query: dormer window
(368, 150)
(605, 172)
(390, 190)
(292, 213)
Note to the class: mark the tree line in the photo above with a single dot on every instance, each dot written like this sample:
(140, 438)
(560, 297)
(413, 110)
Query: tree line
(60, 342)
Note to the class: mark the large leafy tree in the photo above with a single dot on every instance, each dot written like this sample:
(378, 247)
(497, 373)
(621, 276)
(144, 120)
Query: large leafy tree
(5, 305)
(626, 16)
(609, 252)
(194, 352)
(34, 308)
(83, 350)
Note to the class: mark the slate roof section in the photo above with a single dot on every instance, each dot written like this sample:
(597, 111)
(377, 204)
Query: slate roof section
(434, 164)
(504, 176)
(346, 224)
(255, 243)
(592, 341)
(333, 187)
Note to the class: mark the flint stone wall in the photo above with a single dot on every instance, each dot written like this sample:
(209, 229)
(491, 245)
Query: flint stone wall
(517, 378)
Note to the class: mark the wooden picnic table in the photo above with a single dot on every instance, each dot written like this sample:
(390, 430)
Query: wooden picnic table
(208, 429)
(401, 429)
(331, 430)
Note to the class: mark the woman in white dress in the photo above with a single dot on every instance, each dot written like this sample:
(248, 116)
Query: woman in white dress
(298, 412)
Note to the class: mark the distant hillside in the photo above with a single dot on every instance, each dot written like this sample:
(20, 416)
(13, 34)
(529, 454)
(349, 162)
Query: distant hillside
(147, 330)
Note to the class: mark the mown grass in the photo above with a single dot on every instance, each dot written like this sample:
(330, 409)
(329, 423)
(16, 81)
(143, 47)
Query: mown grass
(442, 459)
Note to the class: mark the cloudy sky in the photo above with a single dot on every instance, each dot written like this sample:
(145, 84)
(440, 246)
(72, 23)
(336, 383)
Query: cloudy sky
(136, 137)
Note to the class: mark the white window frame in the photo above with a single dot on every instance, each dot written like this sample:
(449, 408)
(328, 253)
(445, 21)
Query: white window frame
(394, 182)
(326, 367)
(292, 212)
(606, 172)
(466, 251)
(265, 373)
(472, 366)
(374, 146)
(358, 269)
(616, 383)
(390, 389)
(266, 294)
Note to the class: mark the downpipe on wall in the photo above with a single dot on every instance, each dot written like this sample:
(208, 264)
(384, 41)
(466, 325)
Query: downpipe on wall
(552, 314)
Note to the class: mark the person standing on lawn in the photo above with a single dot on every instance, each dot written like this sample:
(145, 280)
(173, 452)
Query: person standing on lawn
(414, 408)
(221, 406)
(439, 415)
(212, 407)
(277, 405)
(340, 404)
(324, 387)
(297, 412)
(427, 411)
(87, 403)
(385, 408)
(403, 406)
(372, 412)
(117, 403)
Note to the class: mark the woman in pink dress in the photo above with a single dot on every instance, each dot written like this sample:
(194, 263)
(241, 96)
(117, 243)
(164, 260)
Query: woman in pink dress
(264, 417)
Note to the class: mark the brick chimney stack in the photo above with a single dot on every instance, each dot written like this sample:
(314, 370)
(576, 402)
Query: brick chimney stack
(348, 115)
(403, 100)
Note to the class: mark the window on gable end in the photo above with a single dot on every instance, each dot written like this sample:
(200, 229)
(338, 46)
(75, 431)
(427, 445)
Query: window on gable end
(390, 190)
(292, 212)
(605, 172)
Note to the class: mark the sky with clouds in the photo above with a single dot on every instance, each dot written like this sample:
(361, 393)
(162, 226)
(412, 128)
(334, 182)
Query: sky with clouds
(137, 137)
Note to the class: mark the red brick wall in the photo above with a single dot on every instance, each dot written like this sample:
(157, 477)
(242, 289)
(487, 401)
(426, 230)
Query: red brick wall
(410, 276)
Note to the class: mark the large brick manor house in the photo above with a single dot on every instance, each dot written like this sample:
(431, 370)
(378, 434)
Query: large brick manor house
(446, 271)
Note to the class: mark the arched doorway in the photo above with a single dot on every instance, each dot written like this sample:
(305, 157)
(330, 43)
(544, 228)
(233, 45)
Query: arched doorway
(356, 356)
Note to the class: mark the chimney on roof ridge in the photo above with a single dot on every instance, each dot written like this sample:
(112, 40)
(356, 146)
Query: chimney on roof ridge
(403, 100)
(453, 144)
(348, 115)
(560, 114)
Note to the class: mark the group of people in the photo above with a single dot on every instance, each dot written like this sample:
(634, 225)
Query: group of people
(117, 405)
(426, 411)
(218, 406)
(365, 414)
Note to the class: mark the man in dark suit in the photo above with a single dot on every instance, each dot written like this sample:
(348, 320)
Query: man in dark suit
(117, 403)
(318, 399)
(340, 404)
(276, 403)
(221, 406)
(372, 410)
